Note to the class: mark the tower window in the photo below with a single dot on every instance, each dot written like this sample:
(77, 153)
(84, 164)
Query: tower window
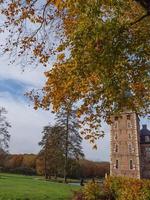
(133, 150)
(131, 164)
(147, 149)
(128, 117)
(147, 138)
(129, 124)
(129, 134)
(116, 124)
(117, 164)
(116, 136)
(116, 148)
(130, 148)
(116, 118)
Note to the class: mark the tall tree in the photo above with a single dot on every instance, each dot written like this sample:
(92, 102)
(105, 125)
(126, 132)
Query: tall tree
(62, 143)
(103, 53)
(52, 150)
(4, 133)
(67, 119)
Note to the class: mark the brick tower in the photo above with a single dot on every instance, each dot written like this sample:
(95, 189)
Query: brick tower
(125, 145)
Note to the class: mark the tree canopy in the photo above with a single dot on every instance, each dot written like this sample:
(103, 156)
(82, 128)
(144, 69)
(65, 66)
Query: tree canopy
(102, 49)
(52, 150)
(61, 145)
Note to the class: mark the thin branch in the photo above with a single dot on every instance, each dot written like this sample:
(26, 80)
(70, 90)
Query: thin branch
(42, 23)
(140, 19)
(32, 4)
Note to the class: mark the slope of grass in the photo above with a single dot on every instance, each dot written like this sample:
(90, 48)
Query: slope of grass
(18, 187)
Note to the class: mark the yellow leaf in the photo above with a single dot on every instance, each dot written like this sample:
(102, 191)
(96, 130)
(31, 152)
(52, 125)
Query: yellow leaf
(57, 3)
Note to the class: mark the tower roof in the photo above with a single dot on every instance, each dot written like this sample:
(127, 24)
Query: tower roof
(144, 130)
(143, 133)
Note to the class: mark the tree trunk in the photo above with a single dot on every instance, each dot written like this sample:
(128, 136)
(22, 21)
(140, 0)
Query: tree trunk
(45, 162)
(66, 149)
(55, 176)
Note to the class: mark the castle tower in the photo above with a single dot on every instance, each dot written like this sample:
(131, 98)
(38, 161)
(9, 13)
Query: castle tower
(125, 145)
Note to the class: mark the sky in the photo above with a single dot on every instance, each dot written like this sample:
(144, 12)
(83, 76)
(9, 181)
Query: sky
(27, 123)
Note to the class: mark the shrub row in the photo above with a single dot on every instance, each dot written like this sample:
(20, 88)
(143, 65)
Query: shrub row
(19, 170)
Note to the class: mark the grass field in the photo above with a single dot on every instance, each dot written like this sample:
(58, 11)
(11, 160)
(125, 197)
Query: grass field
(18, 187)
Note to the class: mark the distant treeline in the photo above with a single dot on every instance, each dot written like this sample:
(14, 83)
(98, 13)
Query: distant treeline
(30, 164)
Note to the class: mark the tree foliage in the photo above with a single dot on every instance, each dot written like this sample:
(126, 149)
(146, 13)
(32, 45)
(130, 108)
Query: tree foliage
(102, 50)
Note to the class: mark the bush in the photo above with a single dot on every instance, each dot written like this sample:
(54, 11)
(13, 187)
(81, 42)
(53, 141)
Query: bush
(123, 188)
(116, 188)
(92, 191)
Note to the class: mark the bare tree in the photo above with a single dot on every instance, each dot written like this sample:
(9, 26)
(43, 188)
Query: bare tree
(4, 133)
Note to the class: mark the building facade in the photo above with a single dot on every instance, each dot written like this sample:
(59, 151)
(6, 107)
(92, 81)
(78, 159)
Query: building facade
(145, 152)
(130, 147)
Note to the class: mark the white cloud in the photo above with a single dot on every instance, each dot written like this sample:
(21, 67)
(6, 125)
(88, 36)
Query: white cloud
(31, 76)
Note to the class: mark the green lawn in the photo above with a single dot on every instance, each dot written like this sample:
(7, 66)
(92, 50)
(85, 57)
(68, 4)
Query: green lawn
(18, 187)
